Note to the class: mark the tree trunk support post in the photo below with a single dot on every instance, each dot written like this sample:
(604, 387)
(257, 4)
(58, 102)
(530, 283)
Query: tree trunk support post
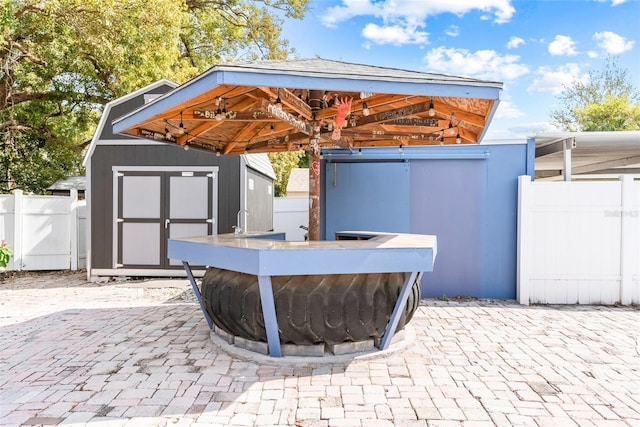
(314, 196)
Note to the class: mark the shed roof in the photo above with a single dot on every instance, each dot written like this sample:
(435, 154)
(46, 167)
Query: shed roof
(298, 181)
(73, 182)
(232, 108)
(260, 162)
(107, 108)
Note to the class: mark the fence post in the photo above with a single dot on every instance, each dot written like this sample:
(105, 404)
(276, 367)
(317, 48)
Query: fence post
(17, 230)
(523, 291)
(73, 228)
(626, 243)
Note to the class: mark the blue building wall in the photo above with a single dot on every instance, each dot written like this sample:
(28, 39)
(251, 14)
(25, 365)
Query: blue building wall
(465, 195)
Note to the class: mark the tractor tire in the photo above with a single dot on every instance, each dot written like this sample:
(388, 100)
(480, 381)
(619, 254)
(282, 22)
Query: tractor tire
(311, 309)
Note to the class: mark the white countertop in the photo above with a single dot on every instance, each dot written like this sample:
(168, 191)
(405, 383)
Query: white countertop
(387, 252)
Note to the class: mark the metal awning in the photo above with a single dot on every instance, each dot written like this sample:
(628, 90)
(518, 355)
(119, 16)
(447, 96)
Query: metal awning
(581, 153)
(268, 106)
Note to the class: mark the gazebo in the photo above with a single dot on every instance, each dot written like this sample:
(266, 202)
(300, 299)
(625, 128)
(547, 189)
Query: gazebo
(316, 104)
(336, 111)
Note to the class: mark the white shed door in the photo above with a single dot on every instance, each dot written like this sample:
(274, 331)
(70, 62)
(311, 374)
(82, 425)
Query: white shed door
(155, 206)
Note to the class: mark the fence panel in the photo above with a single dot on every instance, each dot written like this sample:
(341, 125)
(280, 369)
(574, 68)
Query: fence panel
(289, 213)
(82, 234)
(44, 232)
(578, 242)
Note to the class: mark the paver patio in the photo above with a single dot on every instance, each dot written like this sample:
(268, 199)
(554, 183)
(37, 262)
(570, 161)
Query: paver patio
(125, 353)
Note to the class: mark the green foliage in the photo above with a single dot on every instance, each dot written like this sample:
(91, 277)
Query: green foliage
(62, 60)
(5, 255)
(282, 164)
(608, 100)
(615, 113)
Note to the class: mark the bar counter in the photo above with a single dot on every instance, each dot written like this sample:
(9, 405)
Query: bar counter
(267, 254)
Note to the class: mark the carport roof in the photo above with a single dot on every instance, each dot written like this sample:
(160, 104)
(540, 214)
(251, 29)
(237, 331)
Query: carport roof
(231, 108)
(591, 153)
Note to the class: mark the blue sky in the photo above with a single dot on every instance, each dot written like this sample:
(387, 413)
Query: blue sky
(532, 46)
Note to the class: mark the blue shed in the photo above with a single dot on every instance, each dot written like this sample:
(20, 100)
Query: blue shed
(466, 195)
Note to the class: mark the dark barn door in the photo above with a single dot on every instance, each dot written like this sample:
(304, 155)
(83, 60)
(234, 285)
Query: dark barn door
(155, 206)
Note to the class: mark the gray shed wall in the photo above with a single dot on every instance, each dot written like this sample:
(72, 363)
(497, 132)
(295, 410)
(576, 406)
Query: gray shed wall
(107, 156)
(259, 202)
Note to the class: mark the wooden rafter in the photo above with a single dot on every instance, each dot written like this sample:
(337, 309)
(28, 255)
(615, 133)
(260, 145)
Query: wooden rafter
(290, 101)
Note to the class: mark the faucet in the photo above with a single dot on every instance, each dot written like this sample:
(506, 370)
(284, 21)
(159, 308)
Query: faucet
(237, 228)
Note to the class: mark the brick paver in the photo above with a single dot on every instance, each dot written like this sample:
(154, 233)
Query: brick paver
(121, 354)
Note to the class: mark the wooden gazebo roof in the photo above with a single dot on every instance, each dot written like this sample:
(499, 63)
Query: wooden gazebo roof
(266, 106)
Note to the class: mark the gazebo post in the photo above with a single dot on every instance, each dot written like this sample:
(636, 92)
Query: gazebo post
(314, 196)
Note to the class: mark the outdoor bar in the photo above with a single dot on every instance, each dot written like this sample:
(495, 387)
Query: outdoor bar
(312, 105)
(264, 257)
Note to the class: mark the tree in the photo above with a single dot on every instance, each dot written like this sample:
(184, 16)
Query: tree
(607, 100)
(615, 113)
(62, 60)
(282, 164)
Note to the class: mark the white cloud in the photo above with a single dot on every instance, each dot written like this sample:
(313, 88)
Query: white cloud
(453, 31)
(533, 128)
(507, 110)
(514, 42)
(519, 131)
(613, 2)
(553, 80)
(411, 14)
(348, 10)
(562, 45)
(592, 54)
(394, 34)
(613, 43)
(485, 64)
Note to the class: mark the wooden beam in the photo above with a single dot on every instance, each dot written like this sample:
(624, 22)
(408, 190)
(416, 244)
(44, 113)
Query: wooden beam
(389, 115)
(361, 134)
(290, 100)
(197, 131)
(372, 103)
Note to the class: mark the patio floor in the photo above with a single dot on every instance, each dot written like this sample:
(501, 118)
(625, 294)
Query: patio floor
(139, 353)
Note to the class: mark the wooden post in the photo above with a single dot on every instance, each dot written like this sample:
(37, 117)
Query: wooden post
(314, 197)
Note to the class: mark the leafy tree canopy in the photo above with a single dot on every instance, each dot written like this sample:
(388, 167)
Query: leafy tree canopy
(62, 60)
(282, 164)
(606, 101)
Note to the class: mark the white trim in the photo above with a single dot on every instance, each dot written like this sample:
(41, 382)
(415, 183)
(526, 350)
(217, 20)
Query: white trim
(116, 170)
(214, 169)
(114, 222)
(243, 184)
(131, 141)
(17, 229)
(107, 109)
(73, 228)
(626, 242)
(87, 197)
(101, 272)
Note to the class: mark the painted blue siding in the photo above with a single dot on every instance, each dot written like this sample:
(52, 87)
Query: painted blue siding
(465, 195)
(448, 199)
(381, 202)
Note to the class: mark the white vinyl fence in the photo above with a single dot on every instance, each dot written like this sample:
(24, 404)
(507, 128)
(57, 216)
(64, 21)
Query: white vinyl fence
(44, 232)
(289, 213)
(579, 242)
